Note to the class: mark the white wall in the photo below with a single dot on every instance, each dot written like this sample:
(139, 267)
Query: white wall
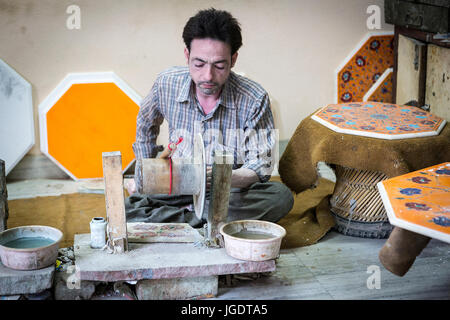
(291, 47)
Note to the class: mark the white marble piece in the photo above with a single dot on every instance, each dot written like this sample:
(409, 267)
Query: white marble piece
(16, 116)
(52, 187)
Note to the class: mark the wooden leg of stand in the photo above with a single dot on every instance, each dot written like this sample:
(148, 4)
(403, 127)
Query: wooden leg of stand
(401, 249)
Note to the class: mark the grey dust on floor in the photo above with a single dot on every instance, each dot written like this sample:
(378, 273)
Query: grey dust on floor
(341, 267)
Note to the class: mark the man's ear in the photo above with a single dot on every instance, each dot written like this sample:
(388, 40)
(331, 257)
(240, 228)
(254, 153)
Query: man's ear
(233, 59)
(186, 54)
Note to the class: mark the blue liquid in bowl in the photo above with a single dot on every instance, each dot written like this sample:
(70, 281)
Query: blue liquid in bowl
(28, 242)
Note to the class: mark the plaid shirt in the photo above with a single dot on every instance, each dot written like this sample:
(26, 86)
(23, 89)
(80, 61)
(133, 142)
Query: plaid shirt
(241, 123)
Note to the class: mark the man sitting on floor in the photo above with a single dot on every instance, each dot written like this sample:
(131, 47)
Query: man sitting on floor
(231, 112)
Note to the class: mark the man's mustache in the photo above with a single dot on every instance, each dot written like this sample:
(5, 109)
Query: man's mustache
(208, 83)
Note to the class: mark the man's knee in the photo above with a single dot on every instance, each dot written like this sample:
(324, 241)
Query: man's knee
(277, 199)
(282, 201)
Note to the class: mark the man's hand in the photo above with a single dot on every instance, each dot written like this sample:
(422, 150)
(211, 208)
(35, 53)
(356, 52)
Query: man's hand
(168, 151)
(130, 185)
(243, 178)
(240, 178)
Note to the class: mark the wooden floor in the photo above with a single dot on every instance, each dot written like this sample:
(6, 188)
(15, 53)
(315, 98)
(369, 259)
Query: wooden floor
(336, 268)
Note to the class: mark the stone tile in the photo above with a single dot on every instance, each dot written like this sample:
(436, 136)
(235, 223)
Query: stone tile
(336, 254)
(353, 285)
(340, 264)
(13, 282)
(179, 288)
(68, 287)
(291, 280)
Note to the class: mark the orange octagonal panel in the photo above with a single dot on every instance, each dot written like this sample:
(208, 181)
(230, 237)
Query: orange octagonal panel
(419, 201)
(88, 114)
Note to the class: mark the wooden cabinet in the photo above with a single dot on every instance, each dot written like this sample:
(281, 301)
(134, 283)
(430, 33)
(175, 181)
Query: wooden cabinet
(411, 70)
(425, 15)
(437, 91)
(422, 70)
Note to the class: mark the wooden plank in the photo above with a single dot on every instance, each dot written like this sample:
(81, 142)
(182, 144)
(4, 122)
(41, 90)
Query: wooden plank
(410, 70)
(220, 193)
(438, 81)
(3, 197)
(115, 202)
(161, 232)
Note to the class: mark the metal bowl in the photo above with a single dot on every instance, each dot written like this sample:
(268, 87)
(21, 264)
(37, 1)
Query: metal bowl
(29, 258)
(252, 249)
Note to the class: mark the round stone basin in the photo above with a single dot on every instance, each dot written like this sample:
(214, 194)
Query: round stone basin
(29, 247)
(252, 240)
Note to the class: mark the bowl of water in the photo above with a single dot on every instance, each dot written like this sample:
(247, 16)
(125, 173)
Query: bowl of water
(252, 240)
(29, 247)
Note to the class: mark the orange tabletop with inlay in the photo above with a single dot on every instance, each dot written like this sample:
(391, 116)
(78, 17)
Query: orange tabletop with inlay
(379, 120)
(420, 201)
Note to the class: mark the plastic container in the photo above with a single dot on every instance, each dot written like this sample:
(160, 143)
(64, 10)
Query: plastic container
(98, 232)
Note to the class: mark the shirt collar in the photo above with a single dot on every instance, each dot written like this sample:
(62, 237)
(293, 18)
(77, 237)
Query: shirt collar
(226, 97)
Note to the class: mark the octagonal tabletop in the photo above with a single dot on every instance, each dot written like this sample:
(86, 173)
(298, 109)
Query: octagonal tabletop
(16, 116)
(379, 120)
(85, 115)
(419, 201)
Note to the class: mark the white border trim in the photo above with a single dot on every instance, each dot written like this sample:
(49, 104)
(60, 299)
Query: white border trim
(375, 86)
(377, 135)
(405, 224)
(61, 89)
(352, 53)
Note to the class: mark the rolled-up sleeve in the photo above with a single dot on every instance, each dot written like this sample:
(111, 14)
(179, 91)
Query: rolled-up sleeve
(148, 122)
(260, 140)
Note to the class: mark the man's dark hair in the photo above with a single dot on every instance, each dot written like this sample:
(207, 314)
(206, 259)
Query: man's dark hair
(214, 24)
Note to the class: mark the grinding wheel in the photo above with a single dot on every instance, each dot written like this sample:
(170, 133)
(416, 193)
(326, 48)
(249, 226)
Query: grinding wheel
(200, 161)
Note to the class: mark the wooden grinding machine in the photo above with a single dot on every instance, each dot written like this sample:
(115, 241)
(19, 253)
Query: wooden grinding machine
(170, 176)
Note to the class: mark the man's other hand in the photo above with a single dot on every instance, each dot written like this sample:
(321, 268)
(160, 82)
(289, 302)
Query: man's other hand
(130, 185)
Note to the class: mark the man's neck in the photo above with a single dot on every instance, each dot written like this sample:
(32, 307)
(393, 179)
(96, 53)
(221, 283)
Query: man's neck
(207, 102)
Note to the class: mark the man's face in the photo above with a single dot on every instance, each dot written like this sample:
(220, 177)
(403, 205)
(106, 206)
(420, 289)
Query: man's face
(210, 64)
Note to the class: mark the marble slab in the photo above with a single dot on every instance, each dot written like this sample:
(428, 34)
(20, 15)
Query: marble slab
(16, 116)
(13, 282)
(158, 261)
(419, 201)
(379, 120)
